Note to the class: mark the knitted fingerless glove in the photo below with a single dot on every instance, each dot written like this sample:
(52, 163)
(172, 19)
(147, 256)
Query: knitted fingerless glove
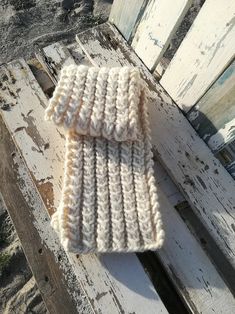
(109, 199)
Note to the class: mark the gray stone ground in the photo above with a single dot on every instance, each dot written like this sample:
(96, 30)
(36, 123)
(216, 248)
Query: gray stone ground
(18, 290)
(26, 25)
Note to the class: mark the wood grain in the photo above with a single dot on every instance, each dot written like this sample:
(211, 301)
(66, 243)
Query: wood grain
(205, 52)
(183, 153)
(158, 25)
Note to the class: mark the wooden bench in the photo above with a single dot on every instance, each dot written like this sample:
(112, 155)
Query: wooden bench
(197, 194)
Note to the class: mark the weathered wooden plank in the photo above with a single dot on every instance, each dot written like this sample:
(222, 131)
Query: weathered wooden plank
(42, 147)
(51, 60)
(214, 115)
(156, 28)
(59, 287)
(124, 15)
(203, 55)
(43, 79)
(200, 285)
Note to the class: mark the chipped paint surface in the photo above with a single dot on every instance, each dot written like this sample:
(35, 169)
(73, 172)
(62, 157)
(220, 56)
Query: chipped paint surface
(193, 167)
(156, 28)
(30, 130)
(210, 41)
(49, 239)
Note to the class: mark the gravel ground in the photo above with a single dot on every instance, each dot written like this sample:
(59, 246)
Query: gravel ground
(18, 290)
(27, 24)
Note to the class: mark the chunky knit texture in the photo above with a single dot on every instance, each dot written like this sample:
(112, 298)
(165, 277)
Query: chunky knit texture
(109, 199)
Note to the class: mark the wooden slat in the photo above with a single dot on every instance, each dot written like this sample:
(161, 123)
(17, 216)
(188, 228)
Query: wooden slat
(200, 285)
(42, 147)
(159, 23)
(124, 15)
(59, 287)
(203, 55)
(214, 115)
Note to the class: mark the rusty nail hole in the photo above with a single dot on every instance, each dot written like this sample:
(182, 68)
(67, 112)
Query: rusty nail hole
(46, 278)
(203, 241)
(46, 146)
(40, 251)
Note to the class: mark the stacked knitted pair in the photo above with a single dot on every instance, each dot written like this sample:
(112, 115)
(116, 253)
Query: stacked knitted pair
(109, 199)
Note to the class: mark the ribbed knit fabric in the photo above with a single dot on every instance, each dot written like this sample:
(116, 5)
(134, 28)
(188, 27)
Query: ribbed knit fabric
(109, 199)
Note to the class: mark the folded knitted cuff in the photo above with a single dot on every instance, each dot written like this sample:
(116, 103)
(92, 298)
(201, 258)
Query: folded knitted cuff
(97, 102)
(109, 200)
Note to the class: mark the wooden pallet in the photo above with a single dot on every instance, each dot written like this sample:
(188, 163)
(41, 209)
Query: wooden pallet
(32, 153)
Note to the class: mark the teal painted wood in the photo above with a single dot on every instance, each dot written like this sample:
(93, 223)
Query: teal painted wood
(214, 115)
(125, 14)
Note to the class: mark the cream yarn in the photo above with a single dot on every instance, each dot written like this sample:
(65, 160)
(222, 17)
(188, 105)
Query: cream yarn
(109, 199)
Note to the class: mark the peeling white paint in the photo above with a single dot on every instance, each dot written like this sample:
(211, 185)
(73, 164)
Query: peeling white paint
(156, 28)
(204, 53)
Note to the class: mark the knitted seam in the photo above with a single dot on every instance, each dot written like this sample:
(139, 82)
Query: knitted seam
(109, 200)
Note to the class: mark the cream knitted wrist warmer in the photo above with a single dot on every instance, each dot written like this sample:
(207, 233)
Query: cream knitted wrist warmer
(109, 199)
